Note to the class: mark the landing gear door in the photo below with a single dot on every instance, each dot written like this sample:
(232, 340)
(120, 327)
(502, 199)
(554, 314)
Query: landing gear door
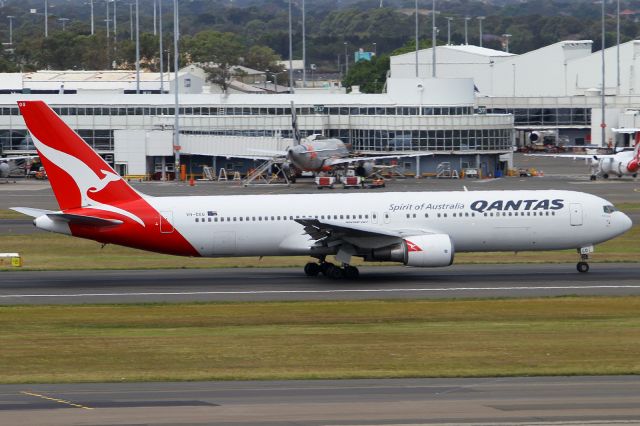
(166, 222)
(576, 214)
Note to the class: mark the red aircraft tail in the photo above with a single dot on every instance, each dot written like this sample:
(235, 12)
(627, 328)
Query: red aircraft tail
(77, 173)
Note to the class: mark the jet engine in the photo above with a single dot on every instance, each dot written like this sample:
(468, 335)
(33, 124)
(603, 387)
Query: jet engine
(365, 168)
(4, 170)
(420, 250)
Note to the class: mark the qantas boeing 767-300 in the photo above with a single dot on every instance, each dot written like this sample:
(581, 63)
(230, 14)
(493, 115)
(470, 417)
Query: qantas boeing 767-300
(422, 229)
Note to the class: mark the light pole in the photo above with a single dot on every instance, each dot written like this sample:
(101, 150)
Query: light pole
(618, 44)
(466, 33)
(449, 19)
(375, 49)
(433, 38)
(131, 21)
(46, 18)
(137, 48)
(480, 19)
(155, 18)
(161, 49)
(290, 52)
(417, 38)
(92, 24)
(603, 124)
(107, 21)
(176, 87)
(346, 59)
(64, 23)
(115, 21)
(304, 48)
(10, 18)
(506, 43)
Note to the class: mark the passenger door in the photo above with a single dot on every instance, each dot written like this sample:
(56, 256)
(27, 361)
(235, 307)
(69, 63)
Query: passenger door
(576, 214)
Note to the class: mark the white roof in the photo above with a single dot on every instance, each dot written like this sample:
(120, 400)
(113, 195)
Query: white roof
(233, 99)
(476, 50)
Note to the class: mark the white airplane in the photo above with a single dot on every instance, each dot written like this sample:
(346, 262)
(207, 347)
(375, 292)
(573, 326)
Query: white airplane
(5, 167)
(623, 163)
(422, 229)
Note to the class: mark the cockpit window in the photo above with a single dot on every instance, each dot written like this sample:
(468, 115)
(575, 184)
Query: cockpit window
(609, 209)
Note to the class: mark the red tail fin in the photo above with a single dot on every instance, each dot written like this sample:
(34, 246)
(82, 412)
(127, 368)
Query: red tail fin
(77, 173)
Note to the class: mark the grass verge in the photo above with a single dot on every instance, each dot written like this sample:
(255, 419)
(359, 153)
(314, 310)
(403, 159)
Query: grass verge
(298, 340)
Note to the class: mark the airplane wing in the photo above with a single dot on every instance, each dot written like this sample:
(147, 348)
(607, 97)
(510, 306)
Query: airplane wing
(574, 156)
(18, 157)
(363, 236)
(270, 152)
(347, 160)
(255, 157)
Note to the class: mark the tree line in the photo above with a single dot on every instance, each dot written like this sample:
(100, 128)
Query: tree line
(254, 33)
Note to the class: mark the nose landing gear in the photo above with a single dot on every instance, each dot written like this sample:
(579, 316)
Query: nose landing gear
(583, 266)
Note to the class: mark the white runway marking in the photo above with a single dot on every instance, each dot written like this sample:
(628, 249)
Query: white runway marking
(355, 290)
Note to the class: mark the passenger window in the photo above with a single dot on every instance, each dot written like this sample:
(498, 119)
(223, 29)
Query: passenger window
(209, 219)
(197, 220)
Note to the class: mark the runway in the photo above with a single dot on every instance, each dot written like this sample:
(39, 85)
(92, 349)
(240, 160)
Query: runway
(513, 401)
(285, 284)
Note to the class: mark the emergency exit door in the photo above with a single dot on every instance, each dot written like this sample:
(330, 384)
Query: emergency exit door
(576, 214)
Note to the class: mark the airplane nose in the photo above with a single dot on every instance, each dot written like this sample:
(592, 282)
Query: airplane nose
(624, 222)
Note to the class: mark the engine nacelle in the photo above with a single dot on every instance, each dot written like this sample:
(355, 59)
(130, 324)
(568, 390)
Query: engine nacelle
(535, 137)
(420, 250)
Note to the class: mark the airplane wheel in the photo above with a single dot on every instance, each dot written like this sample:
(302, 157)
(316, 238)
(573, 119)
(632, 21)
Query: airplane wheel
(351, 272)
(582, 267)
(311, 269)
(324, 268)
(606, 176)
(334, 272)
(635, 175)
(593, 177)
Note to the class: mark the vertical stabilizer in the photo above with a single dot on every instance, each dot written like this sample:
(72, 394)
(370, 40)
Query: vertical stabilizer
(77, 173)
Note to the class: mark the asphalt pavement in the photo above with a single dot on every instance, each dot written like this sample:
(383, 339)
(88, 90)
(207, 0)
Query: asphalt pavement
(487, 401)
(275, 284)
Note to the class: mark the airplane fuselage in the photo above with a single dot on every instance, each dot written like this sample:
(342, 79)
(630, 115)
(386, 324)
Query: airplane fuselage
(621, 164)
(312, 156)
(265, 225)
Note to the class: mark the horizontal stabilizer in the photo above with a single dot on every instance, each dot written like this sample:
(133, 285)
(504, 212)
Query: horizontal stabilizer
(76, 219)
(31, 211)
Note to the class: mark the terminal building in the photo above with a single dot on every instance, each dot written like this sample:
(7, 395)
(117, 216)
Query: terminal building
(135, 132)
(556, 89)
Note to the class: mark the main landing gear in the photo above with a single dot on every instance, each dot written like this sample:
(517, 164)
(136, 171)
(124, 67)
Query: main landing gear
(330, 270)
(583, 266)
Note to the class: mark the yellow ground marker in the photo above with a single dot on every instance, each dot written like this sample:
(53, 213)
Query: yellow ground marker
(61, 401)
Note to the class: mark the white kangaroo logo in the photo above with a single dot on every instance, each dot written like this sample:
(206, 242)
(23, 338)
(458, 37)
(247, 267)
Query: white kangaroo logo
(87, 180)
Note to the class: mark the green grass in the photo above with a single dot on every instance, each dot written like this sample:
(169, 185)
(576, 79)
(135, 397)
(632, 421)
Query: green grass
(47, 251)
(297, 340)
